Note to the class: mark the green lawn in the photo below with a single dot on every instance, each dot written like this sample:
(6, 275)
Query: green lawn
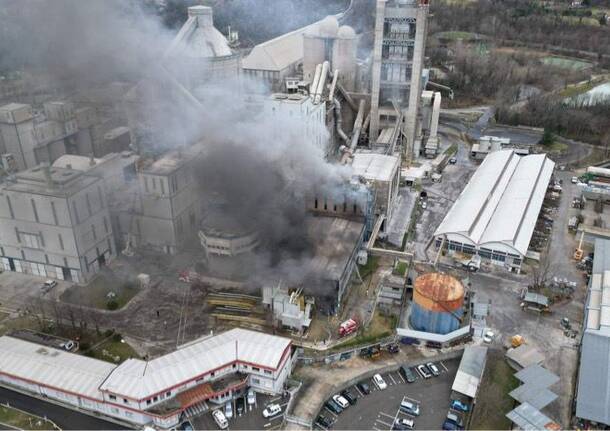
(401, 268)
(21, 420)
(565, 63)
(95, 294)
(493, 401)
(111, 350)
(371, 266)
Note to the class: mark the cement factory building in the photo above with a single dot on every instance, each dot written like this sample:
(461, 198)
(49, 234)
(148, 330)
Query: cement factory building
(204, 373)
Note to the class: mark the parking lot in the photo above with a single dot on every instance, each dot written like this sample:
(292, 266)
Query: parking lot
(251, 419)
(380, 409)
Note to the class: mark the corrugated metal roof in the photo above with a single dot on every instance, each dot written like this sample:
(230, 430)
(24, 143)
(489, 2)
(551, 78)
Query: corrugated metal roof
(439, 287)
(54, 368)
(140, 379)
(527, 417)
(502, 200)
(593, 400)
(535, 396)
(470, 371)
(537, 375)
(279, 53)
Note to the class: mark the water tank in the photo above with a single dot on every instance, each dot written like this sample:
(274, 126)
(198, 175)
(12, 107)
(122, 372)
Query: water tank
(438, 301)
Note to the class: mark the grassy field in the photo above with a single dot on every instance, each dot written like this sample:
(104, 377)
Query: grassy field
(95, 294)
(381, 326)
(493, 399)
(371, 266)
(22, 420)
(565, 63)
(113, 350)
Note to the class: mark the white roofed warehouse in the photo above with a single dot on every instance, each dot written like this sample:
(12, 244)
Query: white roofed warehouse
(206, 372)
(496, 213)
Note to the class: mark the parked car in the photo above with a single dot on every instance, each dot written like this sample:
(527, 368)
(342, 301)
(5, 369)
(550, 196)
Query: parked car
(186, 426)
(407, 373)
(48, 285)
(453, 160)
(424, 205)
(351, 398)
(381, 384)
(324, 421)
(574, 180)
(423, 370)
(453, 417)
(433, 369)
(240, 406)
(272, 410)
(229, 409)
(68, 345)
(409, 407)
(364, 388)
(403, 424)
(341, 401)
(220, 419)
(393, 348)
(488, 337)
(449, 426)
(251, 397)
(459, 406)
(333, 407)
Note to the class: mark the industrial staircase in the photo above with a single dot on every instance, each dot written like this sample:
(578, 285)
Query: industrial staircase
(197, 409)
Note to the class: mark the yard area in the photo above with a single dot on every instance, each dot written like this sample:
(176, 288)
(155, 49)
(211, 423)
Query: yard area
(493, 401)
(105, 292)
(21, 420)
(113, 349)
(381, 326)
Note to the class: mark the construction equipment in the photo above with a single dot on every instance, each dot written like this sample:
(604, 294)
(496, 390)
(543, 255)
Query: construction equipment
(579, 252)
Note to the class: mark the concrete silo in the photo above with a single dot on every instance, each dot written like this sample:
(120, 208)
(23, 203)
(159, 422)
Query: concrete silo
(438, 301)
(344, 55)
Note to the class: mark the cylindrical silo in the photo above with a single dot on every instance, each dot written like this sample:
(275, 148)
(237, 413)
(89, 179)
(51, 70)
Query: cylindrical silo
(313, 54)
(344, 56)
(438, 301)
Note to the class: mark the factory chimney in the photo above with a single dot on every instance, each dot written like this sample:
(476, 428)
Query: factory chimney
(203, 15)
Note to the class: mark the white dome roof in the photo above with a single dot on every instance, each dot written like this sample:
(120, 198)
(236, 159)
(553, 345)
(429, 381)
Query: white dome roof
(328, 27)
(346, 32)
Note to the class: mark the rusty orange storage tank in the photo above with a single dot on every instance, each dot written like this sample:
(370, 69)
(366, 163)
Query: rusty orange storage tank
(438, 301)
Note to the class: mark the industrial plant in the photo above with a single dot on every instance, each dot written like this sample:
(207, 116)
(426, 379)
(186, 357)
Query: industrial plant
(208, 225)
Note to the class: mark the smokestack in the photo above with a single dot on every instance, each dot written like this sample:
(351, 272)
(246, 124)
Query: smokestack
(203, 14)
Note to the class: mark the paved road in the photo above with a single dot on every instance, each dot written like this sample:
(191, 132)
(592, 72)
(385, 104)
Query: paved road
(65, 418)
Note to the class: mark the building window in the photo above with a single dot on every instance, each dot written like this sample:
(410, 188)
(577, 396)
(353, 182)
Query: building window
(88, 202)
(256, 369)
(268, 372)
(125, 401)
(75, 212)
(105, 224)
(256, 381)
(10, 206)
(30, 240)
(112, 397)
(148, 402)
(93, 232)
(34, 210)
(54, 212)
(155, 399)
(168, 394)
(162, 183)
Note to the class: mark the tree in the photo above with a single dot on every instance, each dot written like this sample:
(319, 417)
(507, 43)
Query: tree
(548, 138)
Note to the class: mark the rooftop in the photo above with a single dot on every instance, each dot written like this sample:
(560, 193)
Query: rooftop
(53, 368)
(375, 167)
(138, 379)
(527, 417)
(501, 202)
(62, 182)
(470, 371)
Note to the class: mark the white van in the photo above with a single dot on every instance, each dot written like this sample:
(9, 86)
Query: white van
(341, 401)
(220, 419)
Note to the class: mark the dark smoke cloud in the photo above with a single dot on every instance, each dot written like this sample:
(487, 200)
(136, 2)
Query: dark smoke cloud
(263, 181)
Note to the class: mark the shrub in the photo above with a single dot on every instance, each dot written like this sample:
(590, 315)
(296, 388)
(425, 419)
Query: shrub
(112, 305)
(117, 337)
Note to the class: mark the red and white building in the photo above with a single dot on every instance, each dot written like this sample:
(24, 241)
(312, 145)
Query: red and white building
(161, 391)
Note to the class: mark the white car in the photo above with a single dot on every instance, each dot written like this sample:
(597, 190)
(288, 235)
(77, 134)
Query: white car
(48, 285)
(68, 345)
(220, 419)
(381, 384)
(488, 337)
(574, 180)
(341, 401)
(251, 397)
(229, 409)
(402, 423)
(272, 410)
(424, 205)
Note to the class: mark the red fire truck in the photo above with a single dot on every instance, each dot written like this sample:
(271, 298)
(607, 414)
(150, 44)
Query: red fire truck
(348, 327)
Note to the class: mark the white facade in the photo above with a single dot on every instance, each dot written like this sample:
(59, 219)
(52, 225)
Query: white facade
(55, 223)
(150, 392)
(496, 213)
(306, 119)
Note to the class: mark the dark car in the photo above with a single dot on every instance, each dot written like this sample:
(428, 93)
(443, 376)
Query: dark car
(324, 421)
(364, 388)
(393, 348)
(407, 373)
(349, 397)
(366, 352)
(449, 426)
(333, 407)
(240, 405)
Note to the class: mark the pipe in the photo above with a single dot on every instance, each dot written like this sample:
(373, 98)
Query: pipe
(331, 93)
(316, 79)
(322, 82)
(339, 120)
(357, 126)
